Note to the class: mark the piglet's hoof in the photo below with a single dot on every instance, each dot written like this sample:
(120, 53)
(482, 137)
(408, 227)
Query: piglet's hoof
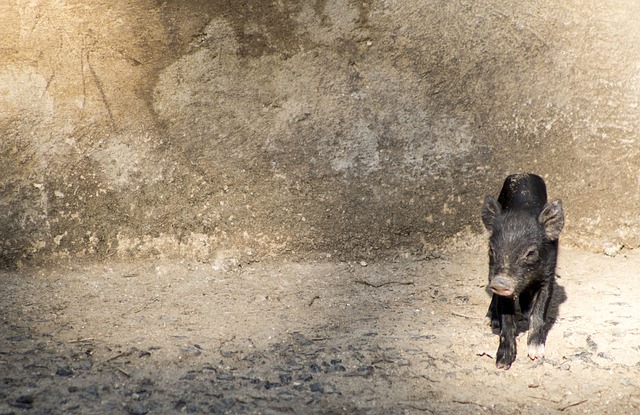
(536, 351)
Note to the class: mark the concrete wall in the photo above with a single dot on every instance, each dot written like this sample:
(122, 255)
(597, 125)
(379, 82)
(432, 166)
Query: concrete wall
(356, 129)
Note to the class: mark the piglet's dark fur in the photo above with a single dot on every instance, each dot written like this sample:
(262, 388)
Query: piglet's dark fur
(523, 250)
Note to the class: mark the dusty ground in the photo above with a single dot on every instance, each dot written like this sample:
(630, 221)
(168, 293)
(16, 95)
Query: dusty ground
(404, 336)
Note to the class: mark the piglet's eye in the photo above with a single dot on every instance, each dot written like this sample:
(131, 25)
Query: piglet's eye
(531, 255)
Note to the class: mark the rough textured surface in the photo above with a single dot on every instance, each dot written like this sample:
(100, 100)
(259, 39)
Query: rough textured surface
(396, 337)
(163, 162)
(251, 129)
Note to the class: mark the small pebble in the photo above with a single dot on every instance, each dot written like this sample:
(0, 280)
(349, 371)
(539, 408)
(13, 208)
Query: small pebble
(225, 376)
(137, 408)
(611, 249)
(316, 387)
(64, 372)
(23, 402)
(285, 379)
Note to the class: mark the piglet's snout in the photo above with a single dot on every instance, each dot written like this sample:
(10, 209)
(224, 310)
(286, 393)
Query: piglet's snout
(501, 285)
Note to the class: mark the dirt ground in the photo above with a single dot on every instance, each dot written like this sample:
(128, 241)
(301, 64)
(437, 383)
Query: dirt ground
(396, 337)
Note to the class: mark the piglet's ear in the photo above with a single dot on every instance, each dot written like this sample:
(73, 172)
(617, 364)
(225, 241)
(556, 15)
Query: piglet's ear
(490, 210)
(552, 219)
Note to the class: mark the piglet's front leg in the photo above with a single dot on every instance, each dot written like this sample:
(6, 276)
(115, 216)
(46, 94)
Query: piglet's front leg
(506, 354)
(537, 319)
(492, 318)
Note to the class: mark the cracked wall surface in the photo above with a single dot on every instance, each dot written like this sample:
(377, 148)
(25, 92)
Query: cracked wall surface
(253, 129)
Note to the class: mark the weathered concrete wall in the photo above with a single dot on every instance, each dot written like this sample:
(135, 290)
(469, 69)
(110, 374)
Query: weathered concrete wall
(242, 129)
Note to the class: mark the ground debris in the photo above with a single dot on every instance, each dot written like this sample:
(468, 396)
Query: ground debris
(357, 351)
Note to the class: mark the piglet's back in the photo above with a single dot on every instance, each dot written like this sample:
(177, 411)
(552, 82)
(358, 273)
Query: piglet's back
(523, 191)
